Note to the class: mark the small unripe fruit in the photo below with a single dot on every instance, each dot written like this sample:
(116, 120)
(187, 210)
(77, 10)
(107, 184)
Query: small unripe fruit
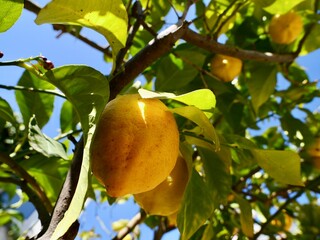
(225, 68)
(285, 29)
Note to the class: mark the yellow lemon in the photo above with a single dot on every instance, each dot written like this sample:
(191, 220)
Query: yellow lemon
(285, 28)
(165, 199)
(313, 152)
(225, 68)
(172, 219)
(135, 146)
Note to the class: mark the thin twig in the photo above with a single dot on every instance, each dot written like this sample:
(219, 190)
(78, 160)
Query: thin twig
(32, 7)
(138, 14)
(137, 219)
(228, 18)
(21, 172)
(186, 10)
(44, 215)
(219, 18)
(162, 44)
(30, 89)
(308, 185)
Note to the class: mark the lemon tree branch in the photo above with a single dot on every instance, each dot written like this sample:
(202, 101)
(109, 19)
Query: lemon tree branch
(44, 215)
(21, 172)
(160, 45)
(216, 47)
(137, 219)
(65, 197)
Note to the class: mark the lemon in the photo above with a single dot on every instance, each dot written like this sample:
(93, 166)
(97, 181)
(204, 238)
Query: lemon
(285, 28)
(225, 68)
(135, 146)
(166, 198)
(314, 153)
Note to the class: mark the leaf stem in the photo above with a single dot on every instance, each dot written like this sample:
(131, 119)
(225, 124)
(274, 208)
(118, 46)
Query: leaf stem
(285, 204)
(30, 89)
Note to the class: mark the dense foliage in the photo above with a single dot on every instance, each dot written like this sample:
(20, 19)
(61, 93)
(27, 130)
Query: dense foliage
(248, 177)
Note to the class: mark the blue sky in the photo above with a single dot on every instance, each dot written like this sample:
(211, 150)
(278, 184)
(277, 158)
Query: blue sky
(26, 39)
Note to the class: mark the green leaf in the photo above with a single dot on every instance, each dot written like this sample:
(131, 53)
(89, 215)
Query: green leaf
(68, 117)
(282, 6)
(204, 99)
(217, 176)
(173, 73)
(263, 3)
(108, 17)
(10, 12)
(283, 166)
(237, 141)
(6, 112)
(85, 87)
(88, 91)
(196, 207)
(246, 218)
(44, 144)
(198, 117)
(49, 173)
(295, 126)
(262, 84)
(312, 42)
(35, 103)
(7, 216)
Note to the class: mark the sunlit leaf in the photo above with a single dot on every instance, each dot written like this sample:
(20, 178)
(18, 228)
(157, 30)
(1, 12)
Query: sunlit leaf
(196, 207)
(35, 103)
(44, 144)
(203, 99)
(10, 12)
(108, 17)
(198, 117)
(283, 166)
(282, 6)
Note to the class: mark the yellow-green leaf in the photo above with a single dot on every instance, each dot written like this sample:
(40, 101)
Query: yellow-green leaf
(108, 17)
(282, 6)
(204, 99)
(10, 12)
(283, 166)
(198, 117)
(246, 219)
